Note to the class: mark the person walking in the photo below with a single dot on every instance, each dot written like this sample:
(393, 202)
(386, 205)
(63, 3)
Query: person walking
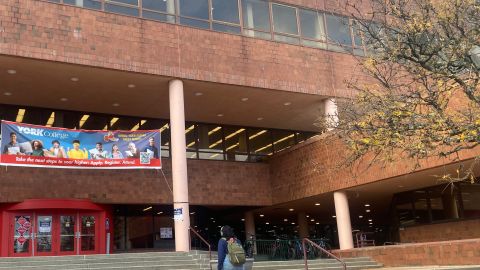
(230, 251)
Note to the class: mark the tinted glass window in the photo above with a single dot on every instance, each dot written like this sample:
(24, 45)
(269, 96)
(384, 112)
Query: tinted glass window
(121, 10)
(130, 2)
(163, 5)
(195, 23)
(338, 30)
(311, 24)
(225, 10)
(260, 142)
(284, 19)
(84, 3)
(256, 14)
(194, 8)
(226, 28)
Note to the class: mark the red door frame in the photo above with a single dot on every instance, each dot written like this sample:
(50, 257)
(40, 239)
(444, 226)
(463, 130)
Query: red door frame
(55, 208)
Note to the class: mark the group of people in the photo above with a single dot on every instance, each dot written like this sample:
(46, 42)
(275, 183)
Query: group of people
(58, 151)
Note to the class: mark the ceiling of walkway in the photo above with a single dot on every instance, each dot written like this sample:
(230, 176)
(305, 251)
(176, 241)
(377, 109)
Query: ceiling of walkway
(81, 88)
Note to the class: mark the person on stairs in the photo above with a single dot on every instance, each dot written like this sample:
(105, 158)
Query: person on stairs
(231, 255)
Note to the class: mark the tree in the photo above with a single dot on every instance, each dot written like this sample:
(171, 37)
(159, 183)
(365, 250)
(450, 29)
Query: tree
(422, 95)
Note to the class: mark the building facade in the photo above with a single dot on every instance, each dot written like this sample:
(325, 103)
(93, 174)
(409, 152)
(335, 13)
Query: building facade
(235, 88)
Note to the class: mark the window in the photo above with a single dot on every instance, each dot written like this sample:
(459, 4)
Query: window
(225, 10)
(236, 143)
(312, 27)
(93, 4)
(260, 142)
(285, 22)
(256, 16)
(197, 10)
(191, 140)
(283, 139)
(210, 141)
(339, 35)
(158, 10)
(125, 7)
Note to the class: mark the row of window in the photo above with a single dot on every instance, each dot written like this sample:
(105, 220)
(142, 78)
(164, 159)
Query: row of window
(254, 18)
(204, 141)
(437, 203)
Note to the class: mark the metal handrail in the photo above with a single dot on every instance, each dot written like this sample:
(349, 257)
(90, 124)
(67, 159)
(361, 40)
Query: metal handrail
(206, 242)
(322, 250)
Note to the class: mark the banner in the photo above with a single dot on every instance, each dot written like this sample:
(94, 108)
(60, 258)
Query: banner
(40, 146)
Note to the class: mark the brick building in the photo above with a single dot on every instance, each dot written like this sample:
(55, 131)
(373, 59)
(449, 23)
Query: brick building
(244, 81)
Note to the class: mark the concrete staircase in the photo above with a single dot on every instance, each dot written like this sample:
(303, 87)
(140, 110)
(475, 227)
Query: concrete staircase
(134, 261)
(324, 264)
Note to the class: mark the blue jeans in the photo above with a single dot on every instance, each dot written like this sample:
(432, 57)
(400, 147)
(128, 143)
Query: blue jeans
(227, 265)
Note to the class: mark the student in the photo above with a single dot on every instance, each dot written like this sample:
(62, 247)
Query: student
(98, 152)
(13, 148)
(76, 152)
(228, 236)
(116, 154)
(56, 150)
(37, 147)
(132, 151)
(151, 148)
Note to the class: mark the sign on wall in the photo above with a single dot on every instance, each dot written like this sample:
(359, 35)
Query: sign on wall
(40, 146)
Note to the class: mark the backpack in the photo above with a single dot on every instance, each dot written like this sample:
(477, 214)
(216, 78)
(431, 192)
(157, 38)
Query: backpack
(236, 253)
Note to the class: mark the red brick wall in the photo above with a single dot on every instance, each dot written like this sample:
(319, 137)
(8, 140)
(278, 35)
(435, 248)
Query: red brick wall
(315, 167)
(210, 183)
(462, 252)
(457, 230)
(42, 30)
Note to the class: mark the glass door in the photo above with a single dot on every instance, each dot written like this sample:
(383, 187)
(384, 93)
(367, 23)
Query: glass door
(88, 234)
(44, 240)
(22, 232)
(67, 234)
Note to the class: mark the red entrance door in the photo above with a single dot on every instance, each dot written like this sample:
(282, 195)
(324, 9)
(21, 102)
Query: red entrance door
(47, 234)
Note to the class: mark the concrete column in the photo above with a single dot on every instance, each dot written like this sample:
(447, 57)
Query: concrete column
(179, 165)
(302, 225)
(249, 225)
(450, 206)
(331, 113)
(344, 226)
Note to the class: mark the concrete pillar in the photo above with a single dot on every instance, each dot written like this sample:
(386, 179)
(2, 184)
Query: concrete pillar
(344, 226)
(179, 166)
(331, 113)
(249, 225)
(302, 225)
(450, 206)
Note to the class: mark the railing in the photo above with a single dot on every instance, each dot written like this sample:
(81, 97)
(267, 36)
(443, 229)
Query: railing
(206, 243)
(313, 244)
(282, 250)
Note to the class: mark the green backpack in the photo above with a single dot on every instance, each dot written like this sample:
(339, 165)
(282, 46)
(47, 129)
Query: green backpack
(236, 253)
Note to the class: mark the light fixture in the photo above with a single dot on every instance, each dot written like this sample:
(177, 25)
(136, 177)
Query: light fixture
(189, 129)
(243, 219)
(83, 120)
(307, 216)
(367, 210)
(198, 94)
(291, 209)
(293, 223)
(63, 99)
(262, 215)
(259, 118)
(137, 126)
(312, 219)
(317, 204)
(51, 119)
(360, 216)
(192, 213)
(7, 94)
(113, 121)
(371, 223)
(131, 85)
(220, 115)
(11, 71)
(163, 128)
(159, 213)
(74, 79)
(285, 219)
(267, 223)
(20, 115)
(214, 130)
(287, 103)
(367, 205)
(148, 208)
(116, 104)
(334, 216)
(369, 220)
(400, 186)
(244, 99)
(257, 134)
